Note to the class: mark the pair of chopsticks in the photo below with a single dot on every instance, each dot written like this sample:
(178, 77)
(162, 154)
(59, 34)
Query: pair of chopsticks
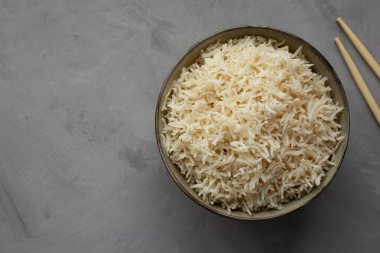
(354, 70)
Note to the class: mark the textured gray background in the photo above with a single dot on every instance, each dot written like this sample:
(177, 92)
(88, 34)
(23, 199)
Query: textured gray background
(79, 167)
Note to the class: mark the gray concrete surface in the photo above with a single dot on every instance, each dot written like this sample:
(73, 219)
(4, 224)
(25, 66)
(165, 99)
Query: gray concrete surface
(79, 168)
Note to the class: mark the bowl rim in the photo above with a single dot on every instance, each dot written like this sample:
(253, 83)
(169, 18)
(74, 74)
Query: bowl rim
(161, 96)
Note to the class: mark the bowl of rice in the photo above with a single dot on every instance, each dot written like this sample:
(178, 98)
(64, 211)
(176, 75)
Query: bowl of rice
(252, 123)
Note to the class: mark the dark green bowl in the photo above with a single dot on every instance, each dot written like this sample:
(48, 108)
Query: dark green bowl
(321, 66)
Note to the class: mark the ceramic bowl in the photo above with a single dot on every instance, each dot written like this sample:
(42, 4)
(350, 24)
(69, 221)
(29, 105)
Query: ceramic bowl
(321, 66)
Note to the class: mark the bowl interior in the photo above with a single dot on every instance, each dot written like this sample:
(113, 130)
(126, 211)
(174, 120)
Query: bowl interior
(321, 66)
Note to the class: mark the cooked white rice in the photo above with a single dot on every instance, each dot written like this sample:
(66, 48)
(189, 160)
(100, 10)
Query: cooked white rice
(250, 125)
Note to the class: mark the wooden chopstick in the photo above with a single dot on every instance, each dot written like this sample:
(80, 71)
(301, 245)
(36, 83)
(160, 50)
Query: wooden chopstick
(359, 80)
(360, 47)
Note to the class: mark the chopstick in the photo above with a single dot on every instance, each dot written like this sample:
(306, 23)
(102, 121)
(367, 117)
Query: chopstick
(359, 80)
(360, 47)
